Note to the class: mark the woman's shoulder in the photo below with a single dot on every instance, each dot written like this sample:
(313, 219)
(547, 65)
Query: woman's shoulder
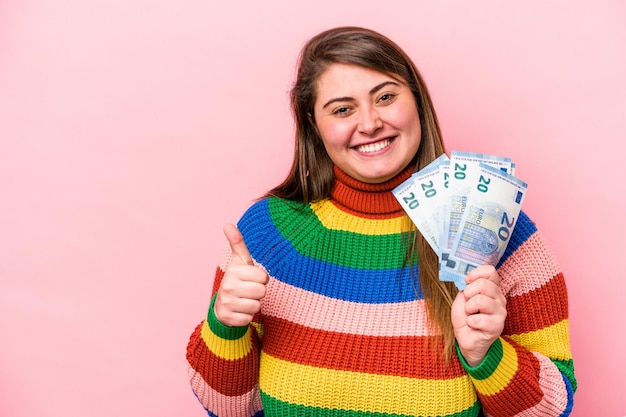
(528, 262)
(271, 213)
(272, 209)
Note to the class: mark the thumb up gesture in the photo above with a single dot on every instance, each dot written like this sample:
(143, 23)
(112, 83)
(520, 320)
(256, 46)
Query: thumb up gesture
(243, 285)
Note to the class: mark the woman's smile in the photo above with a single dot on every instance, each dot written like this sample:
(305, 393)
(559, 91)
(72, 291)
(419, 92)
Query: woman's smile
(374, 147)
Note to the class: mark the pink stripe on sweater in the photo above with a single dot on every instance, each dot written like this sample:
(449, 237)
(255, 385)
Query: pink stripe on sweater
(223, 405)
(320, 312)
(532, 265)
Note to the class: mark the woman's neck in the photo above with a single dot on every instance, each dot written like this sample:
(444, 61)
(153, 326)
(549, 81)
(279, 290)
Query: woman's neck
(370, 200)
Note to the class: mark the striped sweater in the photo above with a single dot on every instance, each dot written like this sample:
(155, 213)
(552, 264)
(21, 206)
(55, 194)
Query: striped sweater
(343, 328)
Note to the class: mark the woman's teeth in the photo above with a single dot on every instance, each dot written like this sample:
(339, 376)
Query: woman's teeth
(373, 147)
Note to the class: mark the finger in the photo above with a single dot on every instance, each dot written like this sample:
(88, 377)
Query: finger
(488, 324)
(243, 306)
(489, 327)
(251, 287)
(238, 273)
(237, 244)
(481, 304)
(233, 318)
(482, 286)
(483, 271)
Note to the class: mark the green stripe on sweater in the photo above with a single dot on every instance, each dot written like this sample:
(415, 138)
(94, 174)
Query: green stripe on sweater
(310, 238)
(274, 407)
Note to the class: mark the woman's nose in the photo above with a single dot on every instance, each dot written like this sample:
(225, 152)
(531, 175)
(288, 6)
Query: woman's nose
(369, 121)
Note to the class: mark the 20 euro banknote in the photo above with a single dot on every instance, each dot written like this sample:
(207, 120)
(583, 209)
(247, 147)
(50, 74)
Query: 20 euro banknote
(422, 197)
(462, 173)
(484, 231)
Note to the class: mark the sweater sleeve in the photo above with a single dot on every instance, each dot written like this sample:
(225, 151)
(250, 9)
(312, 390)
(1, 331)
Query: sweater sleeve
(529, 370)
(224, 363)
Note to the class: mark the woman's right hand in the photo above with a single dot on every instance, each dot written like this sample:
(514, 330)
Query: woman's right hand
(243, 285)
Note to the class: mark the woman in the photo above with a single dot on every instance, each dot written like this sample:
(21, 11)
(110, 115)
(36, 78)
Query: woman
(329, 303)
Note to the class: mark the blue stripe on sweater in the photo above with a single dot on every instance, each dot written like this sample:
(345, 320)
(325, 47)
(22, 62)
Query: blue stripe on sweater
(570, 398)
(268, 247)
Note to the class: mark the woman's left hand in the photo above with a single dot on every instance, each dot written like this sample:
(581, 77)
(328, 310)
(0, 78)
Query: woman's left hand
(478, 314)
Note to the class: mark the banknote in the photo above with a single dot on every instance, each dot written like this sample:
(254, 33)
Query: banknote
(444, 212)
(500, 162)
(466, 207)
(413, 203)
(462, 174)
(430, 182)
(485, 228)
(422, 196)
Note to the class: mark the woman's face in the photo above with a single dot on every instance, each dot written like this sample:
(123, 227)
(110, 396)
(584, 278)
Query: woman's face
(368, 122)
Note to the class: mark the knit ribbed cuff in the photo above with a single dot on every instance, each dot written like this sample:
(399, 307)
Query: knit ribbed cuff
(222, 330)
(497, 369)
(489, 363)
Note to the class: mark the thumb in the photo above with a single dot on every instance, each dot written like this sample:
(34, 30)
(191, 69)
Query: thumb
(237, 244)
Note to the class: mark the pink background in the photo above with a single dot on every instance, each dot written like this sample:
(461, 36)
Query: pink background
(131, 131)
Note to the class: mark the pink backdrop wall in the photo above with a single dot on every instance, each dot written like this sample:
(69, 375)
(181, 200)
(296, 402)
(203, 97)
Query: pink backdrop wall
(130, 131)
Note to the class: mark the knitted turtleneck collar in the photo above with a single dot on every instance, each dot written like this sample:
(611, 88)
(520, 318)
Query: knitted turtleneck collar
(371, 200)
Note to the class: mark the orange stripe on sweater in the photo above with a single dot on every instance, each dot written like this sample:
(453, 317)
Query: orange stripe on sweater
(553, 399)
(219, 274)
(399, 356)
(222, 405)
(205, 363)
(546, 304)
(511, 400)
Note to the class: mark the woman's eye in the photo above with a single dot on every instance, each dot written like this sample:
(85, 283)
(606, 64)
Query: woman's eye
(387, 98)
(341, 111)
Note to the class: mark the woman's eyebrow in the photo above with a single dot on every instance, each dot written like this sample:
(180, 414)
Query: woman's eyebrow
(381, 85)
(334, 100)
(373, 91)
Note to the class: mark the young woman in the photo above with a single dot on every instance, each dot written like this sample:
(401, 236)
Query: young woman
(329, 302)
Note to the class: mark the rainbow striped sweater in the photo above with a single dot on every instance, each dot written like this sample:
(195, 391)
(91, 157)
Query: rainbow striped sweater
(343, 329)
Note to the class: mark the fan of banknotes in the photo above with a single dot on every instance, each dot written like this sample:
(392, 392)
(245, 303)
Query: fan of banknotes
(466, 207)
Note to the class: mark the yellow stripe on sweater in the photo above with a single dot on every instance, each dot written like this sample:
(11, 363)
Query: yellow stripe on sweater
(333, 218)
(223, 348)
(335, 389)
(503, 373)
(552, 341)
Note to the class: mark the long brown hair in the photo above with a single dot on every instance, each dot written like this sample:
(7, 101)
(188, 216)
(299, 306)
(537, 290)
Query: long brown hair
(311, 176)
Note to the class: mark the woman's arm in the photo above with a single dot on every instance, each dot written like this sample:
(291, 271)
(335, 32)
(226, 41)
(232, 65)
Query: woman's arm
(224, 362)
(528, 370)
